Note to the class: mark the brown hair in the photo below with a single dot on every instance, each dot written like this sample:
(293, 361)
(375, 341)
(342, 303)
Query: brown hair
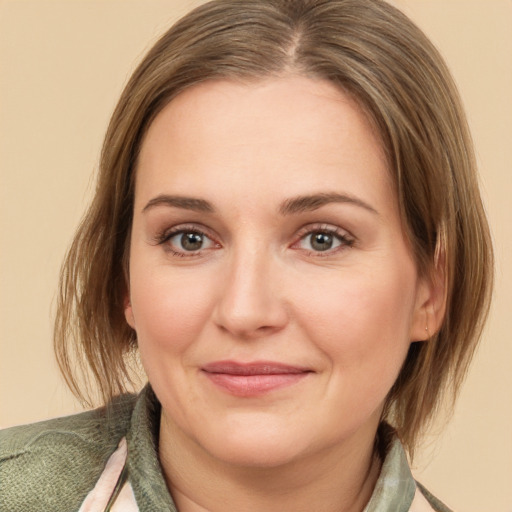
(375, 53)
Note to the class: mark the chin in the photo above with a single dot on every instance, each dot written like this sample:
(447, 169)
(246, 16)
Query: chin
(256, 444)
(257, 453)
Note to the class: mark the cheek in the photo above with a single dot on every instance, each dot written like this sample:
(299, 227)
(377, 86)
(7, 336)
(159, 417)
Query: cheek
(361, 321)
(169, 311)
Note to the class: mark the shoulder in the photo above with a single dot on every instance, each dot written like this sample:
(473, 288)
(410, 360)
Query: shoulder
(53, 464)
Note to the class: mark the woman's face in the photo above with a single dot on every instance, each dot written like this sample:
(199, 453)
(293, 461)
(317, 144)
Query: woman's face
(272, 290)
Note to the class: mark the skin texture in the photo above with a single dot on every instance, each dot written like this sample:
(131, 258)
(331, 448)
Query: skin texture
(260, 290)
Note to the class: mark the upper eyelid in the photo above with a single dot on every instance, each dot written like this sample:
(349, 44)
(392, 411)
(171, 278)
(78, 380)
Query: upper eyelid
(330, 228)
(183, 228)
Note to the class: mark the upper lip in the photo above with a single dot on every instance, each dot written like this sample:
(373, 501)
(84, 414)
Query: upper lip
(253, 368)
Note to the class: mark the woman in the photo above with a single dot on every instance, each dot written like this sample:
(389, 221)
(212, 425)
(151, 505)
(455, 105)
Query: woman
(287, 227)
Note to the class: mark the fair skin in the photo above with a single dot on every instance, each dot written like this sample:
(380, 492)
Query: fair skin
(273, 294)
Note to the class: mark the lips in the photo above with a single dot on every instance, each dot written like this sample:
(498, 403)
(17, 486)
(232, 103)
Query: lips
(255, 378)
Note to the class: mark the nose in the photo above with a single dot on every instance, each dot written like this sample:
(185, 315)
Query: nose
(251, 303)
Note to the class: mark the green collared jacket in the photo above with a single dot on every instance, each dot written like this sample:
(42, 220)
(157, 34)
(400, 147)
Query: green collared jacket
(106, 460)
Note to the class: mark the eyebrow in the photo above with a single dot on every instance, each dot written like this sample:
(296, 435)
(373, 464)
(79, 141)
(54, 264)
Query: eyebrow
(312, 202)
(294, 205)
(186, 203)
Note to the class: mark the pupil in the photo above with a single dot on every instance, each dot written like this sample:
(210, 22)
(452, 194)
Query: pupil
(321, 241)
(191, 241)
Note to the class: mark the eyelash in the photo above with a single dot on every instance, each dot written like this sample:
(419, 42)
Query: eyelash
(164, 236)
(346, 241)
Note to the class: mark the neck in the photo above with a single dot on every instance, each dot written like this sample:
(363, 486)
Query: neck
(337, 479)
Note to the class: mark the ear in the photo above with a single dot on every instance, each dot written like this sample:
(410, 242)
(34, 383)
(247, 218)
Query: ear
(128, 311)
(430, 306)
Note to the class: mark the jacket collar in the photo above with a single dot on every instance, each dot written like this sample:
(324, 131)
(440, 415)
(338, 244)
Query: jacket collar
(394, 491)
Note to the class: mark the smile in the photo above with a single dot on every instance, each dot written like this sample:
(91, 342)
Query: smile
(253, 379)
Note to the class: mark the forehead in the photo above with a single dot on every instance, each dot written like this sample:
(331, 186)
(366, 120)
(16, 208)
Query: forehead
(295, 133)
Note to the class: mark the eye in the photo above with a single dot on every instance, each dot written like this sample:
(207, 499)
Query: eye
(189, 241)
(323, 241)
(185, 241)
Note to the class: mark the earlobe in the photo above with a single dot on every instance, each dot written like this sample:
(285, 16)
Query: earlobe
(429, 312)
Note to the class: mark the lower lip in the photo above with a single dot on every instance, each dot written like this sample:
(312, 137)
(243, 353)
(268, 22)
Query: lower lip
(254, 385)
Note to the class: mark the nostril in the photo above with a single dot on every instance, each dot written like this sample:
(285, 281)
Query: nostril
(248, 304)
(246, 331)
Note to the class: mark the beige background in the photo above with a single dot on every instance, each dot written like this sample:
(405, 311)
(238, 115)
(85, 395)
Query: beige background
(63, 65)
